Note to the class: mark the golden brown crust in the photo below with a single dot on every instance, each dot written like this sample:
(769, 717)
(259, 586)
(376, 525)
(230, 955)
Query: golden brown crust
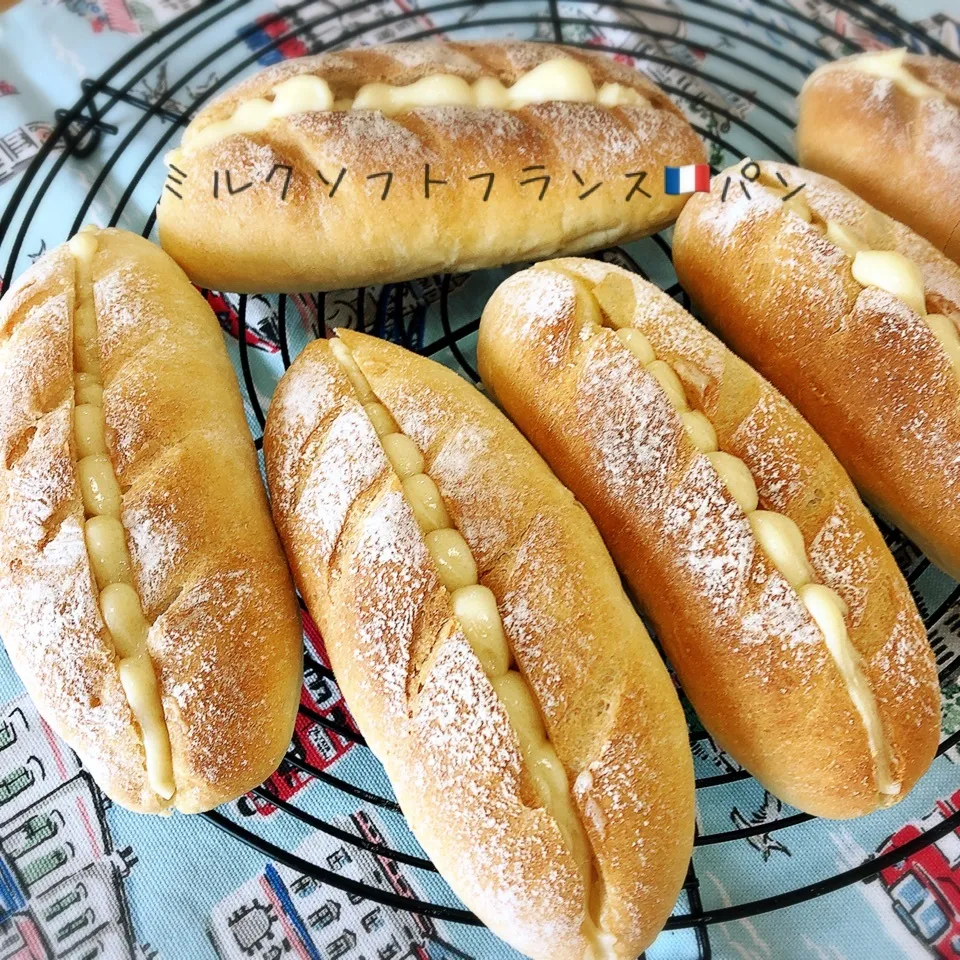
(254, 240)
(861, 366)
(207, 564)
(404, 666)
(748, 654)
(897, 151)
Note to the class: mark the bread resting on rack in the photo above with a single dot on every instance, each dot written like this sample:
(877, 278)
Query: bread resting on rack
(856, 319)
(385, 163)
(485, 647)
(772, 592)
(887, 125)
(144, 598)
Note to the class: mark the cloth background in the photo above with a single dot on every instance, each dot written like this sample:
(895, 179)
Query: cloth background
(80, 878)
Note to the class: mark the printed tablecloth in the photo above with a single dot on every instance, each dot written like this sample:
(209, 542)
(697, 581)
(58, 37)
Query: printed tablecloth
(80, 878)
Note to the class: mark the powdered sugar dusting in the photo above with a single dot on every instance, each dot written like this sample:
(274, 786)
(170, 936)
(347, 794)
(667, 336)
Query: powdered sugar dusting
(908, 402)
(941, 276)
(940, 140)
(843, 560)
(491, 129)
(542, 583)
(50, 621)
(393, 573)
(349, 461)
(307, 395)
(915, 395)
(457, 466)
(457, 460)
(156, 548)
(361, 134)
(50, 617)
(218, 663)
(638, 435)
(765, 442)
(713, 536)
(588, 133)
(673, 333)
(418, 419)
(503, 850)
(432, 57)
(541, 303)
(125, 297)
(904, 661)
(526, 56)
(779, 613)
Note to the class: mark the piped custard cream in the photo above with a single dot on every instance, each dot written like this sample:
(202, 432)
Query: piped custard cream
(561, 79)
(889, 65)
(900, 276)
(475, 607)
(104, 533)
(778, 535)
(886, 270)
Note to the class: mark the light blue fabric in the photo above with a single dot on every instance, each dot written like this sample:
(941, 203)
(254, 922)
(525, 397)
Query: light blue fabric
(76, 875)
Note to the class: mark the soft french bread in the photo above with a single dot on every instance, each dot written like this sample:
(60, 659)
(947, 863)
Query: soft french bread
(770, 588)
(887, 125)
(386, 163)
(854, 317)
(482, 640)
(144, 598)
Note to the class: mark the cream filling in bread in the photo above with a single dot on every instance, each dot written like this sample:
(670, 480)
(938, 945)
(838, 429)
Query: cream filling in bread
(889, 65)
(559, 79)
(779, 536)
(885, 65)
(884, 269)
(104, 534)
(901, 277)
(897, 275)
(475, 608)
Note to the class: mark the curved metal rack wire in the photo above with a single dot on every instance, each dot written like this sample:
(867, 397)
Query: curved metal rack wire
(87, 126)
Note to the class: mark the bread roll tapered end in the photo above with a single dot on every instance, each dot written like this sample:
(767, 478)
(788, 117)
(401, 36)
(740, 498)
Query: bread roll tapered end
(892, 136)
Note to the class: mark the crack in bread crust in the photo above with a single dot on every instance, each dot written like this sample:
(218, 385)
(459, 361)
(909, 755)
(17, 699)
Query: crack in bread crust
(777, 535)
(475, 610)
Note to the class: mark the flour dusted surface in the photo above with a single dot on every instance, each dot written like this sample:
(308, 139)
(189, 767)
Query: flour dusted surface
(541, 300)
(714, 538)
(468, 744)
(156, 548)
(349, 461)
(393, 575)
(628, 420)
(453, 733)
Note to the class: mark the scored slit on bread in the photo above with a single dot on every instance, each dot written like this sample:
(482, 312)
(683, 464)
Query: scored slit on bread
(855, 318)
(104, 534)
(612, 303)
(382, 188)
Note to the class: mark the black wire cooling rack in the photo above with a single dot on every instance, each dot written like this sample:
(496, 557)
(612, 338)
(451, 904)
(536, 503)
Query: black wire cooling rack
(136, 108)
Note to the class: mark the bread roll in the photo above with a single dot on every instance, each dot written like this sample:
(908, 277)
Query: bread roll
(887, 125)
(485, 647)
(144, 598)
(854, 317)
(771, 590)
(386, 163)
